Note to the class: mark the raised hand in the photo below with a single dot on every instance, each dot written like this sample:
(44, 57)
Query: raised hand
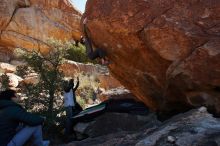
(85, 21)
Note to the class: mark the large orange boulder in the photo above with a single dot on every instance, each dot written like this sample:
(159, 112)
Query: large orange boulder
(166, 52)
(30, 23)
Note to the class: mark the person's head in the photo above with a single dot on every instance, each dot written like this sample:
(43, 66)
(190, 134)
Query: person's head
(9, 95)
(66, 85)
(71, 83)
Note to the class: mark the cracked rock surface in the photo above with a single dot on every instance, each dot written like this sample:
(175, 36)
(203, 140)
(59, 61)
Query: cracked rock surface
(166, 52)
(194, 128)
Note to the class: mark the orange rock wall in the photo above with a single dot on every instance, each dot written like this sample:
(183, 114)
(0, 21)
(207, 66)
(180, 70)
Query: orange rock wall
(29, 23)
(166, 52)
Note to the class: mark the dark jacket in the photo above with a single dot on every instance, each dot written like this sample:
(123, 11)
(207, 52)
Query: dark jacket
(11, 114)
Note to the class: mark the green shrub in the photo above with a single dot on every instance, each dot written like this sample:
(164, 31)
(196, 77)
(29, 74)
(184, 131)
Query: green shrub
(78, 54)
(81, 101)
(88, 86)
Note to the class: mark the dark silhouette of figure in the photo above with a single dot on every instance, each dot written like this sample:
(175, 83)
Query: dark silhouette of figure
(70, 104)
(91, 53)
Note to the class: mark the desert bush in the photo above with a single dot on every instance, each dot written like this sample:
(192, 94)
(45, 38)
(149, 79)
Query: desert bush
(4, 82)
(87, 89)
(81, 101)
(48, 89)
(78, 54)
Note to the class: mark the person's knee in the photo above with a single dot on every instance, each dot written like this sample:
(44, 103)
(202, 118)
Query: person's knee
(38, 127)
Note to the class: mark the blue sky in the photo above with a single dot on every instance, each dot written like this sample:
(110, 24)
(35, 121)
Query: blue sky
(80, 4)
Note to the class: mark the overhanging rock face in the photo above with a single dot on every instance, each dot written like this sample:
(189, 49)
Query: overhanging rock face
(30, 23)
(166, 52)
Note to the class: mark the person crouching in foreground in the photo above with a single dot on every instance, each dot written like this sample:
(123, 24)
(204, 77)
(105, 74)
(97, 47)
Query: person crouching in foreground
(11, 116)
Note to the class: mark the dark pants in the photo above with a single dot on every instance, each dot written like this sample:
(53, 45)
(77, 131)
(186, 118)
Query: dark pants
(68, 124)
(70, 112)
(23, 135)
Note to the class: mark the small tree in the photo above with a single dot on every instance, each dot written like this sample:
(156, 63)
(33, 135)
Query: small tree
(46, 93)
(47, 67)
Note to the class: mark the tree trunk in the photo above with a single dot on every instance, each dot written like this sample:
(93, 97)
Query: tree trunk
(50, 107)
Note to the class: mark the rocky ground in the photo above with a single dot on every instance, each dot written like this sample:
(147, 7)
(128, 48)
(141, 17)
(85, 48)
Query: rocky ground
(193, 128)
